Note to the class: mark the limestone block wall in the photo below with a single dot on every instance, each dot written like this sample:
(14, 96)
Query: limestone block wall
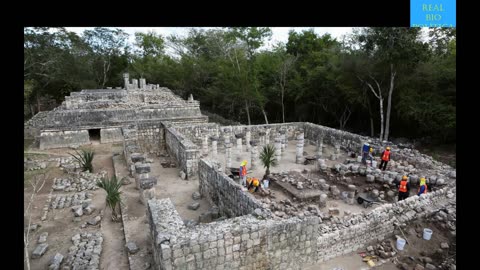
(168, 112)
(111, 135)
(248, 243)
(195, 132)
(151, 137)
(185, 151)
(222, 191)
(331, 136)
(58, 139)
(90, 117)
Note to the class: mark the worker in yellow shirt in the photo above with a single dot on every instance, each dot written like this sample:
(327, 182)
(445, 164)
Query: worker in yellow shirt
(253, 184)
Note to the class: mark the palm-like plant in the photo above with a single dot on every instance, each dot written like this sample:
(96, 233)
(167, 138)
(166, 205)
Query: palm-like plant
(267, 157)
(84, 158)
(112, 187)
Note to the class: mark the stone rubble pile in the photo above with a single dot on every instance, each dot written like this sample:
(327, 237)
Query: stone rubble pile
(41, 247)
(32, 165)
(79, 181)
(85, 252)
(65, 201)
(384, 250)
(286, 209)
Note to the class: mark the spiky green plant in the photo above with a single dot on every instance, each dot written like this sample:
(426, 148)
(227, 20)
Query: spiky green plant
(112, 187)
(267, 157)
(84, 158)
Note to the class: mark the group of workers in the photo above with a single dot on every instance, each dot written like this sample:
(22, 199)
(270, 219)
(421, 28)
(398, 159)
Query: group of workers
(404, 187)
(367, 153)
(251, 183)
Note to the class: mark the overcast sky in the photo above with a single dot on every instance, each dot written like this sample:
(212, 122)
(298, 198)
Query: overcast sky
(279, 33)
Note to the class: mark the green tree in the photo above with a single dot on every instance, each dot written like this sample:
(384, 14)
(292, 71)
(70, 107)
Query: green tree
(105, 44)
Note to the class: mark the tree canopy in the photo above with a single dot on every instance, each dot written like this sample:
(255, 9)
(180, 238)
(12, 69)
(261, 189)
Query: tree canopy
(376, 80)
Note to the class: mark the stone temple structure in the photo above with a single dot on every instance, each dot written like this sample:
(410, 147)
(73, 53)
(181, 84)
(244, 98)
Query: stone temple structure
(100, 114)
(148, 119)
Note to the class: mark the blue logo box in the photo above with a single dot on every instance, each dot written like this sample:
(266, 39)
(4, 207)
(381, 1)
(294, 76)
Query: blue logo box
(433, 13)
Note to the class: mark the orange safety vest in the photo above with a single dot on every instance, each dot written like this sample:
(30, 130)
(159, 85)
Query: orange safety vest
(243, 172)
(386, 155)
(424, 191)
(403, 186)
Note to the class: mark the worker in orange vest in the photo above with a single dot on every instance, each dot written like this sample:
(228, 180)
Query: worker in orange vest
(403, 188)
(243, 173)
(385, 158)
(423, 186)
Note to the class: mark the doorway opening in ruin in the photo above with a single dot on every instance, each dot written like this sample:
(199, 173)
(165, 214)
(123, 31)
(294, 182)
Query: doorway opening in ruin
(94, 135)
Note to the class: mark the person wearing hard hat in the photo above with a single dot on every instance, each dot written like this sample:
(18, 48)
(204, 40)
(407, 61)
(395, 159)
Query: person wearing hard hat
(243, 173)
(385, 158)
(423, 186)
(365, 149)
(370, 156)
(403, 188)
(252, 184)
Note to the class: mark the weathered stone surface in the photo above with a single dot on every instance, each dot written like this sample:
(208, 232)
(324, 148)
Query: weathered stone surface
(194, 206)
(39, 250)
(43, 237)
(137, 157)
(142, 168)
(132, 248)
(56, 261)
(430, 266)
(444, 245)
(183, 175)
(78, 212)
(196, 195)
(147, 183)
(94, 221)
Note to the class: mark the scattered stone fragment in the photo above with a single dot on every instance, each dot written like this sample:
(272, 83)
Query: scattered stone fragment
(39, 250)
(194, 206)
(132, 248)
(94, 221)
(444, 245)
(43, 237)
(196, 195)
(55, 262)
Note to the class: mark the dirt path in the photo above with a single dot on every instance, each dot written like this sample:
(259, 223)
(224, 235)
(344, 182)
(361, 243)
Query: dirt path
(114, 255)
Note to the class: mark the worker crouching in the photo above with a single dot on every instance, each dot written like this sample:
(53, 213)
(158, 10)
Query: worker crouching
(253, 184)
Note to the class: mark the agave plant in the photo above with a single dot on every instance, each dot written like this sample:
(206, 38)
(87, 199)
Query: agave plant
(84, 158)
(267, 157)
(112, 187)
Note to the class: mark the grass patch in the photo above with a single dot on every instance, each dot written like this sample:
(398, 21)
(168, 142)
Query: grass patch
(27, 143)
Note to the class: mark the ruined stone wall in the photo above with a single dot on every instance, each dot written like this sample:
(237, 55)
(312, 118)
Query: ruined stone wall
(59, 139)
(195, 132)
(151, 137)
(347, 140)
(97, 118)
(222, 191)
(185, 151)
(111, 135)
(78, 100)
(248, 243)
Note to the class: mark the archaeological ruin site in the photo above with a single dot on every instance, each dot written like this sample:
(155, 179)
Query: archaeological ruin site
(183, 206)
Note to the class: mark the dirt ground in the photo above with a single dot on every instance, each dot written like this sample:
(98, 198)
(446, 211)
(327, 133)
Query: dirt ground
(60, 225)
